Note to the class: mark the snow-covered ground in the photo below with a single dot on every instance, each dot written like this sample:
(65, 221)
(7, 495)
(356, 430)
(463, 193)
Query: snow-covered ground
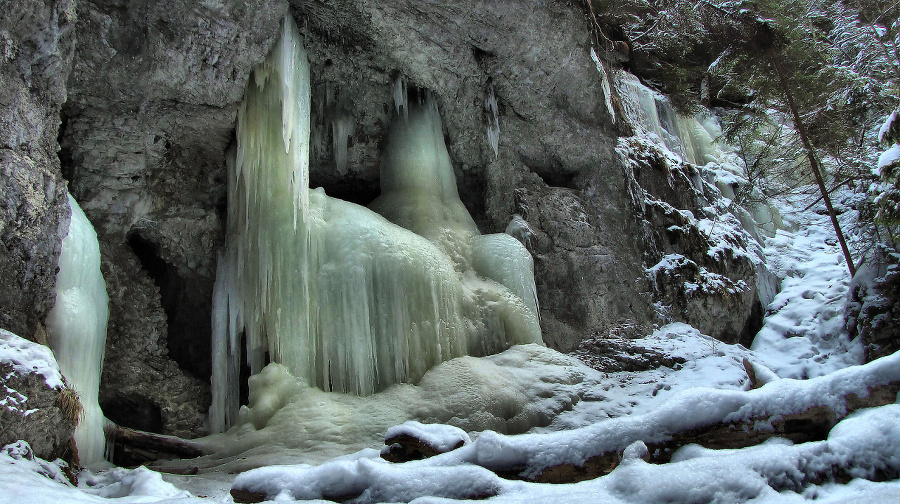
(802, 338)
(803, 334)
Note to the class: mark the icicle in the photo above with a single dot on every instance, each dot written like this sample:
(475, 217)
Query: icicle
(604, 83)
(77, 328)
(493, 129)
(400, 96)
(226, 351)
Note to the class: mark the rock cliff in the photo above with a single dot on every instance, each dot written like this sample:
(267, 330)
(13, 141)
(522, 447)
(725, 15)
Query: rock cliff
(148, 101)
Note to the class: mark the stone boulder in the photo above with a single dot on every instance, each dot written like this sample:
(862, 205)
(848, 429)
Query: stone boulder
(37, 407)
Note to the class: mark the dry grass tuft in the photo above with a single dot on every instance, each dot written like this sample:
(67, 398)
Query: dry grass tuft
(68, 401)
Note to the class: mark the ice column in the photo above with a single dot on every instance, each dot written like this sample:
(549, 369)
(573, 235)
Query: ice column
(77, 328)
(345, 299)
(261, 280)
(418, 192)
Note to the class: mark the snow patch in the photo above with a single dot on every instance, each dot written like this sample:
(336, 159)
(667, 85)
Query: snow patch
(27, 357)
(888, 157)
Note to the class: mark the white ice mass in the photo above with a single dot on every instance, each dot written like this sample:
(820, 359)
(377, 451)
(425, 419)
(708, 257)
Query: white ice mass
(347, 299)
(76, 328)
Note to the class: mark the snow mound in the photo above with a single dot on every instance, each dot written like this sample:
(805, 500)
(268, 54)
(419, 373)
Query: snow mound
(442, 438)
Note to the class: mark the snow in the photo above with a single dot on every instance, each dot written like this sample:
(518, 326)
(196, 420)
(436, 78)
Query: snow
(26, 478)
(27, 357)
(442, 438)
(889, 157)
(886, 127)
(775, 471)
(803, 334)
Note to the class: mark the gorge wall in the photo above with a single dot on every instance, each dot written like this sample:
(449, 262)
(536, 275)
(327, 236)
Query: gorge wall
(142, 98)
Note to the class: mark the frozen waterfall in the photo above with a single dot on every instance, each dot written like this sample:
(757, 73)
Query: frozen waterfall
(346, 299)
(695, 139)
(77, 329)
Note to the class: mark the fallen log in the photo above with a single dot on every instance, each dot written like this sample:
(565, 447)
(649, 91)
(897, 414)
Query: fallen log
(798, 410)
(811, 422)
(863, 447)
(143, 446)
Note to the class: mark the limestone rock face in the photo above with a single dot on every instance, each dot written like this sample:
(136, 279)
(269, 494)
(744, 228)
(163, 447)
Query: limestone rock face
(36, 42)
(48, 429)
(141, 387)
(149, 120)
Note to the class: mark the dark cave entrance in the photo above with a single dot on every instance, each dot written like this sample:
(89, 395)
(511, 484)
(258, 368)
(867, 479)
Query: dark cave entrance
(187, 303)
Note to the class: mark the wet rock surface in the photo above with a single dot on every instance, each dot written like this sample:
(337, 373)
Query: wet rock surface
(616, 354)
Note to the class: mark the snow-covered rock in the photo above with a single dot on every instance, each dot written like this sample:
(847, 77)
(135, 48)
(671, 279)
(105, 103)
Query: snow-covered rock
(35, 405)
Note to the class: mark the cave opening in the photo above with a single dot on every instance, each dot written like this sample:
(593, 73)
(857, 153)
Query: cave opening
(136, 412)
(359, 191)
(187, 303)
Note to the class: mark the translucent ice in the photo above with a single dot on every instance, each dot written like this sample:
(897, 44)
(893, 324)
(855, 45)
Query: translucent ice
(346, 299)
(77, 328)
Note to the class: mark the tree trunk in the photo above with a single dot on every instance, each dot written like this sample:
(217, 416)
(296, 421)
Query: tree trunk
(811, 424)
(151, 446)
(811, 155)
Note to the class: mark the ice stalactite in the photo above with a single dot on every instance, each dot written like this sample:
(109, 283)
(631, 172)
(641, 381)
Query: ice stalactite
(343, 298)
(604, 84)
(493, 113)
(401, 99)
(77, 329)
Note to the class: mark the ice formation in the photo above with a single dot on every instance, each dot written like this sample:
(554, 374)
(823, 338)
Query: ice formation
(346, 299)
(77, 328)
(342, 128)
(604, 83)
(694, 140)
(401, 100)
(493, 111)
